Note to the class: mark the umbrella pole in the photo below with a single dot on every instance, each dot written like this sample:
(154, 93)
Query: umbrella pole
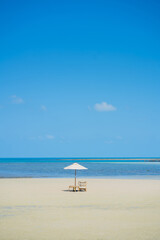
(75, 177)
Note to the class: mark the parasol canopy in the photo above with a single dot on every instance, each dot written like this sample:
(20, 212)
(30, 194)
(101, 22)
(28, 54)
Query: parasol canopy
(75, 166)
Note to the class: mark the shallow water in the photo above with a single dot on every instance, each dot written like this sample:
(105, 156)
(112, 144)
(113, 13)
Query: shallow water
(54, 168)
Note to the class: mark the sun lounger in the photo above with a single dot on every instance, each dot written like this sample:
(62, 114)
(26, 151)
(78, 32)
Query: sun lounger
(82, 186)
(73, 188)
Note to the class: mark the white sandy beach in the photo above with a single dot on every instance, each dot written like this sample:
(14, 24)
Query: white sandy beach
(40, 209)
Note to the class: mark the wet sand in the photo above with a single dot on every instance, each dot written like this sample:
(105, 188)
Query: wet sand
(115, 209)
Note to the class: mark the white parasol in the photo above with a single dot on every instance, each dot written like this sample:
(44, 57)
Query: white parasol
(75, 166)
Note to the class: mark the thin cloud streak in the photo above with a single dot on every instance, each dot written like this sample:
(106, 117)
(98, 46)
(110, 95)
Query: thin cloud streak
(48, 136)
(104, 107)
(16, 100)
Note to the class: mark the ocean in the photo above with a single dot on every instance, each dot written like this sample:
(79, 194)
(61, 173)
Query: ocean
(97, 168)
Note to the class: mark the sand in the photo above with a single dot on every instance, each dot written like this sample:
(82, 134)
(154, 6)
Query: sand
(111, 209)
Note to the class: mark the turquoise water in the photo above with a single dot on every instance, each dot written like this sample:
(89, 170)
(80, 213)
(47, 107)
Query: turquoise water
(54, 168)
(79, 160)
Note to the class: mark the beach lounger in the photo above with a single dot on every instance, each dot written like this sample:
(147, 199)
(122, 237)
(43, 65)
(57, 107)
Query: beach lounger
(73, 188)
(82, 186)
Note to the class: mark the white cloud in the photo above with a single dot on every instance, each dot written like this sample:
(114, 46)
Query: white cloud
(48, 136)
(43, 107)
(104, 107)
(16, 100)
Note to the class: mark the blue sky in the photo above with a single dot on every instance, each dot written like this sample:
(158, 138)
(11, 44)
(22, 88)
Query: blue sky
(79, 79)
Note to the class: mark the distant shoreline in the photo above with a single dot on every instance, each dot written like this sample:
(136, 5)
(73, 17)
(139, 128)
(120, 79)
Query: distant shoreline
(112, 159)
(81, 159)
